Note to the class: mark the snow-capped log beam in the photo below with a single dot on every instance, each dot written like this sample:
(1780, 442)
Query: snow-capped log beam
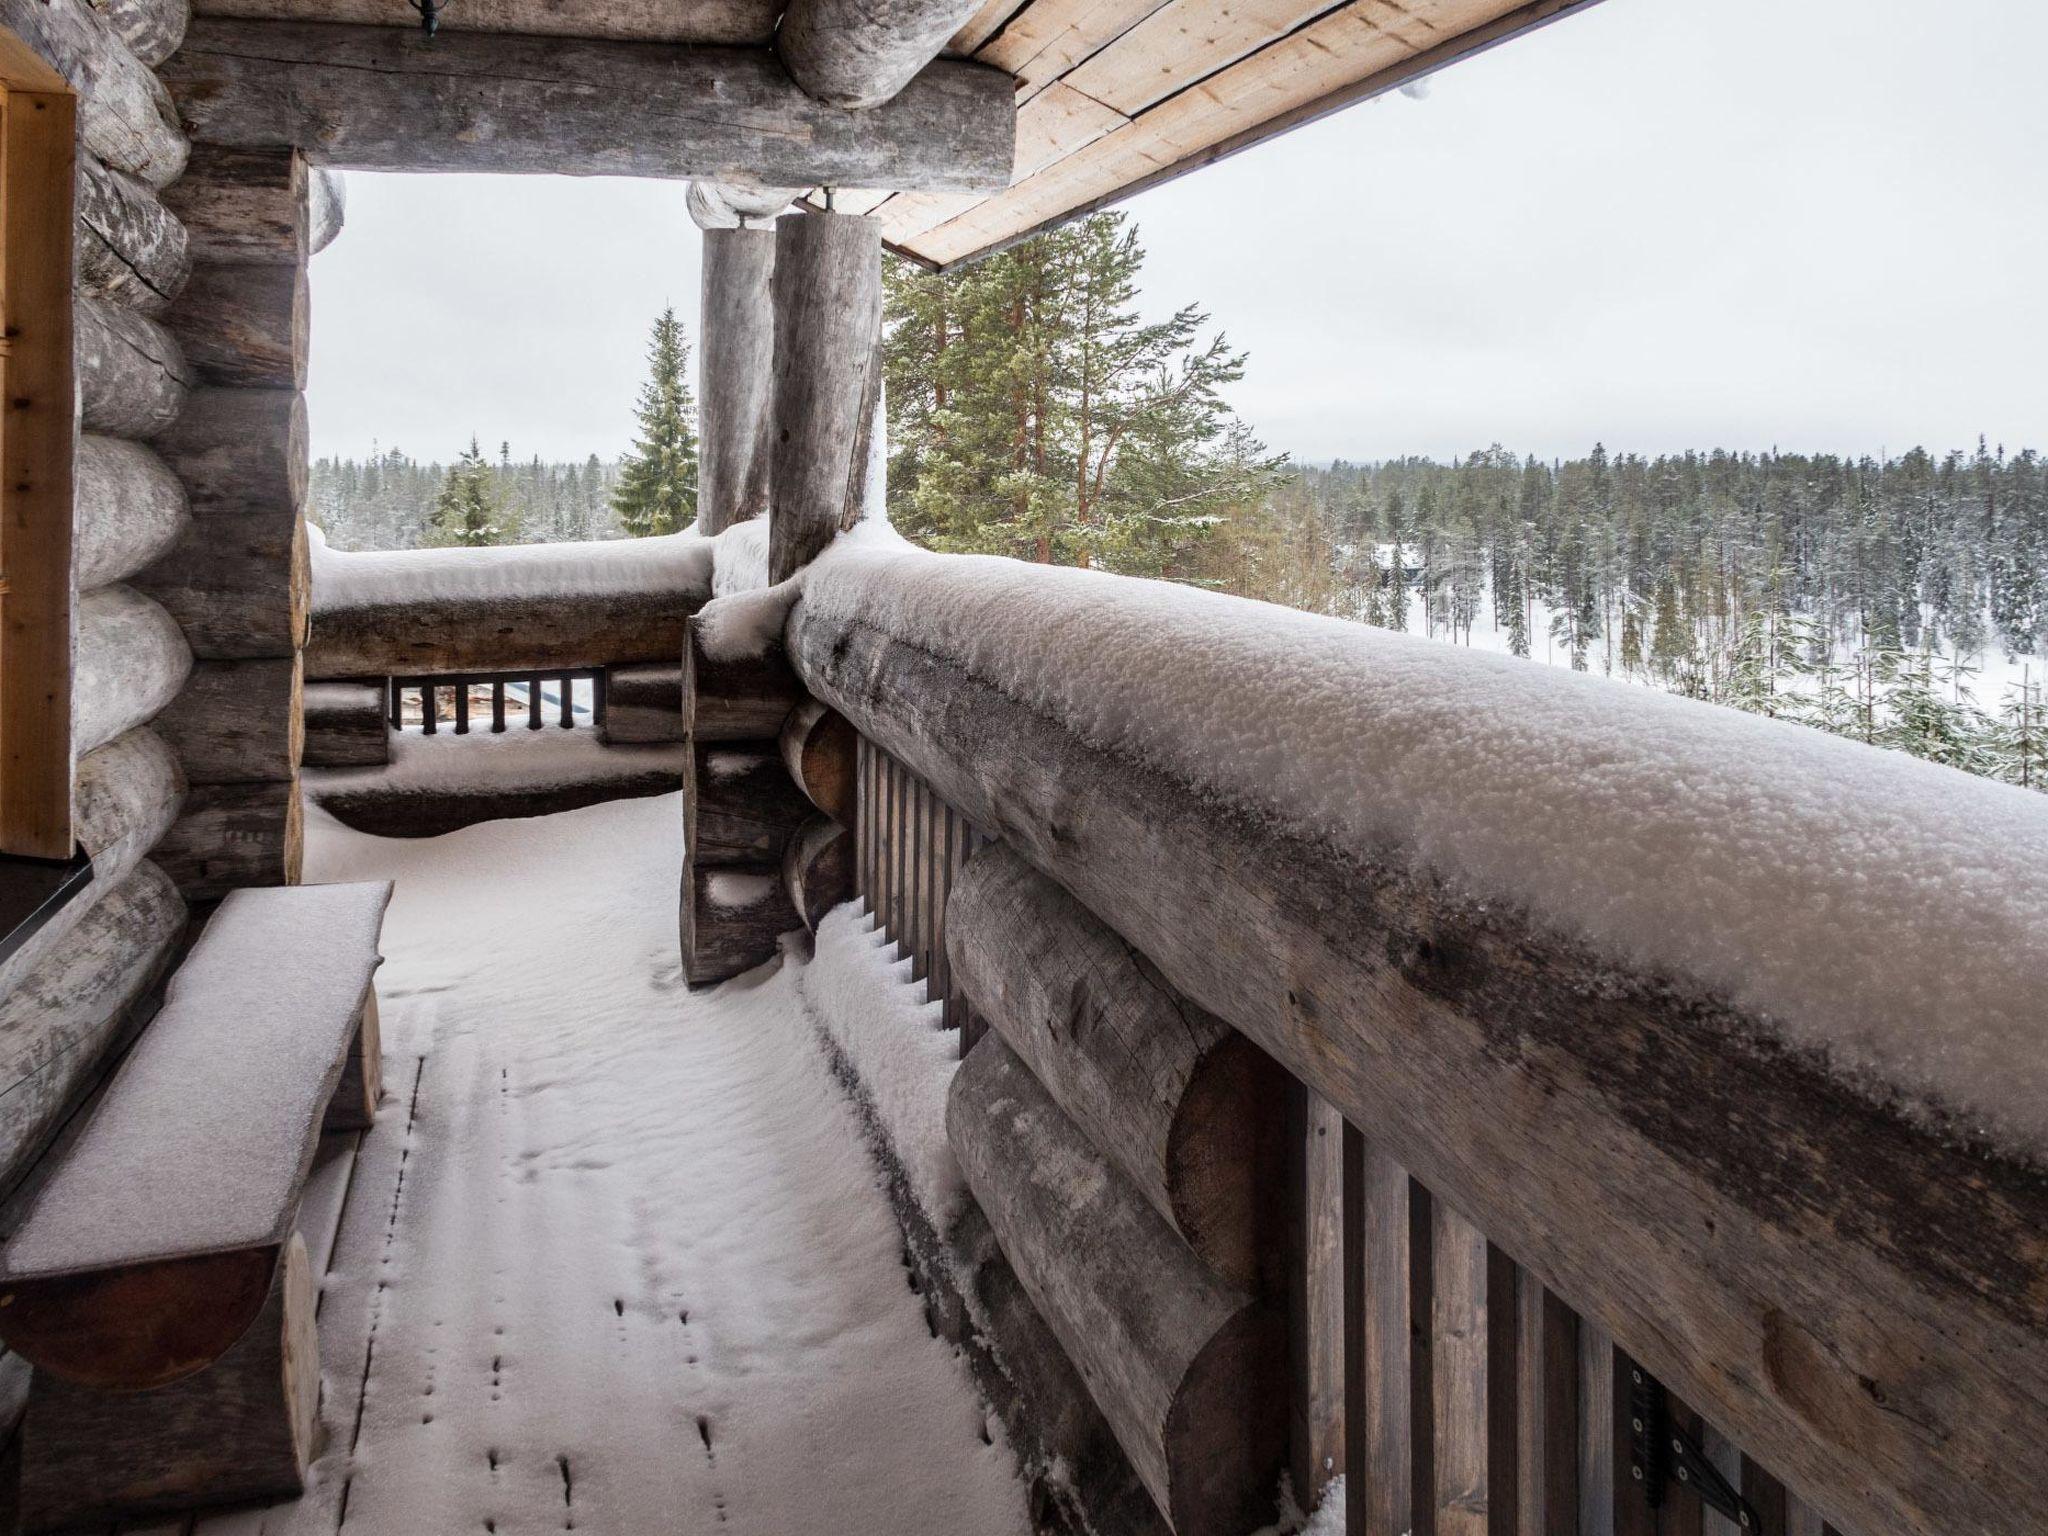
(643, 703)
(817, 869)
(237, 721)
(125, 116)
(131, 249)
(129, 662)
(345, 725)
(821, 750)
(494, 633)
(1186, 1107)
(246, 325)
(739, 806)
(828, 358)
(1185, 1366)
(237, 580)
(233, 835)
(731, 920)
(1877, 1317)
(132, 378)
(734, 694)
(860, 53)
(389, 99)
(736, 345)
(128, 508)
(63, 1015)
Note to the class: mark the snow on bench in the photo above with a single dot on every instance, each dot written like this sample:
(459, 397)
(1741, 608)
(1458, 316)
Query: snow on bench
(161, 1252)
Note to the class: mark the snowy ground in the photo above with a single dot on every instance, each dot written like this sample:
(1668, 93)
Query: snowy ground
(614, 1258)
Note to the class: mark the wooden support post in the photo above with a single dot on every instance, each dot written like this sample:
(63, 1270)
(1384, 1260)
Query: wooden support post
(1315, 1294)
(736, 347)
(828, 317)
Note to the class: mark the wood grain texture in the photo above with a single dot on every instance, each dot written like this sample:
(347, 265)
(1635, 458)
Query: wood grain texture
(1650, 1126)
(232, 835)
(1315, 1295)
(732, 920)
(496, 633)
(1472, 1371)
(125, 116)
(828, 319)
(238, 722)
(132, 377)
(736, 342)
(739, 806)
(860, 53)
(643, 702)
(130, 249)
(736, 22)
(818, 748)
(345, 725)
(1546, 1412)
(127, 509)
(152, 29)
(385, 98)
(1186, 1368)
(1186, 1108)
(245, 205)
(130, 662)
(1390, 1427)
(743, 698)
(245, 326)
(817, 869)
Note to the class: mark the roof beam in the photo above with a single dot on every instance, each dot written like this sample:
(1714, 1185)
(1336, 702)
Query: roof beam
(390, 99)
(860, 53)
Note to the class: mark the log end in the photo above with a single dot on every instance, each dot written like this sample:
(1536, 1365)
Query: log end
(1226, 1434)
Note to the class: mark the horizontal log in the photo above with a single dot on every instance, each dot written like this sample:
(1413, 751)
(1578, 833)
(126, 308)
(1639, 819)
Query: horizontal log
(817, 868)
(1186, 1368)
(233, 835)
(860, 53)
(392, 803)
(131, 248)
(59, 1022)
(743, 697)
(152, 29)
(1189, 1110)
(495, 633)
(128, 509)
(238, 580)
(245, 326)
(820, 748)
(246, 206)
(129, 662)
(125, 116)
(327, 210)
(643, 702)
(387, 98)
(739, 806)
(346, 725)
(732, 920)
(1885, 1330)
(237, 721)
(132, 378)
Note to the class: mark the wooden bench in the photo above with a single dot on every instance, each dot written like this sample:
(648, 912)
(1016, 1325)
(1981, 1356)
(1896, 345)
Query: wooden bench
(156, 1280)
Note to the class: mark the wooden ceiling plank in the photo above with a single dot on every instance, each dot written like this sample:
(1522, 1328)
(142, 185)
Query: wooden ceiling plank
(1049, 37)
(706, 22)
(983, 25)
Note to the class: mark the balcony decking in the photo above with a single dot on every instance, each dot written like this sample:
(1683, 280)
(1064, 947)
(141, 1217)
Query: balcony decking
(614, 1258)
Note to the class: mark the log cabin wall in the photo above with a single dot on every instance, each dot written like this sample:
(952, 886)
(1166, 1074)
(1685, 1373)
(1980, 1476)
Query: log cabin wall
(68, 996)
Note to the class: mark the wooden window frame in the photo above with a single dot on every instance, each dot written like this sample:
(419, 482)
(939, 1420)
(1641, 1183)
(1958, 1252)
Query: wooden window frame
(38, 430)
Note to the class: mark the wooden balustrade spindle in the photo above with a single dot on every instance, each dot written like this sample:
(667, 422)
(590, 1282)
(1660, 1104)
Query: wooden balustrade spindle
(429, 708)
(395, 689)
(568, 701)
(497, 706)
(462, 708)
(533, 705)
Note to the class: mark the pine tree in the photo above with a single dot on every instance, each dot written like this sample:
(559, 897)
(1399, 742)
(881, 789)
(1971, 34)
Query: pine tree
(467, 513)
(657, 489)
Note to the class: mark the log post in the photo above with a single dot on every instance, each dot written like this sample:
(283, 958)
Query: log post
(1190, 1111)
(736, 345)
(860, 53)
(828, 317)
(732, 920)
(1185, 1367)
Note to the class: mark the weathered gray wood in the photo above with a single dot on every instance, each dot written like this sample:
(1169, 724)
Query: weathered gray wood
(237, 581)
(237, 721)
(152, 29)
(345, 725)
(732, 920)
(736, 348)
(1187, 1109)
(327, 210)
(828, 316)
(235, 835)
(132, 378)
(1547, 1412)
(643, 702)
(246, 205)
(128, 508)
(131, 248)
(1390, 1444)
(718, 205)
(125, 116)
(496, 633)
(386, 98)
(739, 806)
(1316, 1331)
(1472, 1368)
(1597, 1438)
(354, 1105)
(391, 805)
(860, 53)
(1185, 1367)
(817, 869)
(129, 662)
(730, 22)
(818, 748)
(58, 1019)
(240, 1430)
(245, 325)
(743, 698)
(1472, 1043)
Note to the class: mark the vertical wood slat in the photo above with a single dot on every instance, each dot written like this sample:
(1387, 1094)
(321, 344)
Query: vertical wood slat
(1390, 1445)
(1547, 1412)
(940, 880)
(920, 882)
(864, 820)
(1472, 1368)
(890, 903)
(899, 853)
(1597, 1429)
(1317, 1337)
(1727, 1459)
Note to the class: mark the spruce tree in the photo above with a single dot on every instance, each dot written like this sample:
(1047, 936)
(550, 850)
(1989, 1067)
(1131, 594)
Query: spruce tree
(657, 489)
(467, 513)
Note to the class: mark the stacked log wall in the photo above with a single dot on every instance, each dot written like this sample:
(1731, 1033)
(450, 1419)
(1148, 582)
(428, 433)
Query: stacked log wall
(69, 996)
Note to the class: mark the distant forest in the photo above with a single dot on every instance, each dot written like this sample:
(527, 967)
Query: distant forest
(389, 499)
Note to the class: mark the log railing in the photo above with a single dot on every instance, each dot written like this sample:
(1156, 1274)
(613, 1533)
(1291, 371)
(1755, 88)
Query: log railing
(462, 687)
(1565, 1200)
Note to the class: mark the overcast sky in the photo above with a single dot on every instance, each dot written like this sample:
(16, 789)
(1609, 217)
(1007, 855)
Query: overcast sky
(1663, 224)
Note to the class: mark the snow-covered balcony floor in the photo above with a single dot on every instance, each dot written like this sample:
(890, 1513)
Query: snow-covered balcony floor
(614, 1258)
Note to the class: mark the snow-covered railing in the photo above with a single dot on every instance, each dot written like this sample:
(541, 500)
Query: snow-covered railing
(1730, 1033)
